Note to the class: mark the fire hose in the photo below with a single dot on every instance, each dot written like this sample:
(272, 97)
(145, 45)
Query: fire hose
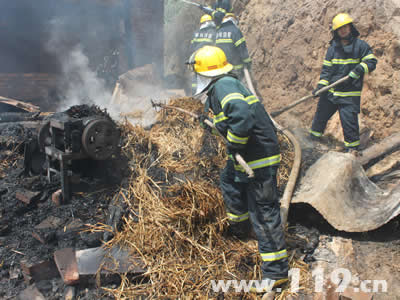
(237, 156)
(206, 9)
(287, 195)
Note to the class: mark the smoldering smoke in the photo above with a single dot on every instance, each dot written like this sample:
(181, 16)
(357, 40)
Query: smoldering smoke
(79, 84)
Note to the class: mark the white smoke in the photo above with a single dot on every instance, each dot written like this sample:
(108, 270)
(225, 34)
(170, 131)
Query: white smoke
(78, 83)
(83, 84)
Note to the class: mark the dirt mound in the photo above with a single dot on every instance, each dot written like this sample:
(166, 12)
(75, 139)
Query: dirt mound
(287, 41)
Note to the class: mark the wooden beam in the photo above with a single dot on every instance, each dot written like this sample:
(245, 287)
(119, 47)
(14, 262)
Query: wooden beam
(386, 145)
(20, 104)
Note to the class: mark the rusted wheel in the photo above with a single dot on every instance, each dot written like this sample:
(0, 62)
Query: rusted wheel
(100, 139)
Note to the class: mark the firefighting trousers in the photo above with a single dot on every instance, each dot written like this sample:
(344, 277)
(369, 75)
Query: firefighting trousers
(348, 119)
(258, 201)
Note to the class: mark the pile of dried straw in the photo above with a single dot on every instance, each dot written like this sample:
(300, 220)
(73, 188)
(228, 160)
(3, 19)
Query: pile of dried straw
(180, 227)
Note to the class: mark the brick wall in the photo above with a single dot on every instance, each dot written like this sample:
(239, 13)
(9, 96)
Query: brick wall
(37, 88)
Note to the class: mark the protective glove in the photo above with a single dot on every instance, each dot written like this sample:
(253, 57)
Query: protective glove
(203, 125)
(234, 148)
(358, 70)
(319, 86)
(206, 9)
(354, 75)
(248, 66)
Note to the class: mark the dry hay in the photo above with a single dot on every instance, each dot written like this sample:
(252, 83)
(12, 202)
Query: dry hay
(180, 231)
(9, 159)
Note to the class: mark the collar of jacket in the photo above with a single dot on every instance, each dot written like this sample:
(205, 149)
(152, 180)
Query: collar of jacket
(207, 24)
(211, 87)
(214, 81)
(230, 19)
(348, 49)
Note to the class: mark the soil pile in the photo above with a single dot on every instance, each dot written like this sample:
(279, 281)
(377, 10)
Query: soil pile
(288, 40)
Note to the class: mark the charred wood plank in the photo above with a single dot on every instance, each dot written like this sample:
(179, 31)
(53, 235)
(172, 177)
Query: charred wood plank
(20, 104)
(386, 145)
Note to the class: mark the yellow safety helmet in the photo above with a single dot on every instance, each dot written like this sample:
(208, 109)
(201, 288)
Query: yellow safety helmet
(229, 15)
(210, 61)
(205, 18)
(341, 20)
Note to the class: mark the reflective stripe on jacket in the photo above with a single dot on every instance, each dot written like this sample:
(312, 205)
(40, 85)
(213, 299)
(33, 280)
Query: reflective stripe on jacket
(230, 39)
(241, 117)
(203, 37)
(356, 60)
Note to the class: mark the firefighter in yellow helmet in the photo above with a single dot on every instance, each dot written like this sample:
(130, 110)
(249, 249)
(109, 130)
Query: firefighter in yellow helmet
(347, 55)
(242, 119)
(202, 37)
(231, 40)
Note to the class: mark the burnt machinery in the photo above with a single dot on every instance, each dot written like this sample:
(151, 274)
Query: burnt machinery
(81, 132)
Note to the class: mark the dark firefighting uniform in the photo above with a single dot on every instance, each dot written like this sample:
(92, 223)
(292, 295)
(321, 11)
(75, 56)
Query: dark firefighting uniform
(203, 37)
(356, 60)
(231, 40)
(223, 5)
(241, 117)
(221, 8)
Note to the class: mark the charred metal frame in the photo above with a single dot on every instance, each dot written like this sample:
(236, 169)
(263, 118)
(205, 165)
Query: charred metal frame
(64, 139)
(65, 157)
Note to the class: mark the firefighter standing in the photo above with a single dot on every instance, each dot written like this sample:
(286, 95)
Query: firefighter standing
(231, 40)
(241, 117)
(203, 37)
(347, 55)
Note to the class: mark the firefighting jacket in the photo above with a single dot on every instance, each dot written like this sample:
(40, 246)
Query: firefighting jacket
(242, 119)
(203, 37)
(231, 40)
(356, 60)
(221, 8)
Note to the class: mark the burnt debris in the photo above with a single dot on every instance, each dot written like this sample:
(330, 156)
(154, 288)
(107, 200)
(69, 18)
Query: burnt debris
(66, 139)
(77, 150)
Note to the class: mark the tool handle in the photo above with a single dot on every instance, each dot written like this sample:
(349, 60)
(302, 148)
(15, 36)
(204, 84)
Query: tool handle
(327, 88)
(238, 157)
(324, 89)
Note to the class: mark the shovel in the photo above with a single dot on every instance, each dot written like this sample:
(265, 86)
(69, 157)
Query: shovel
(319, 92)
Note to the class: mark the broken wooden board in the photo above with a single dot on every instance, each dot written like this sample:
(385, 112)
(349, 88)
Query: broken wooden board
(67, 266)
(385, 165)
(338, 188)
(76, 265)
(115, 260)
(20, 104)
